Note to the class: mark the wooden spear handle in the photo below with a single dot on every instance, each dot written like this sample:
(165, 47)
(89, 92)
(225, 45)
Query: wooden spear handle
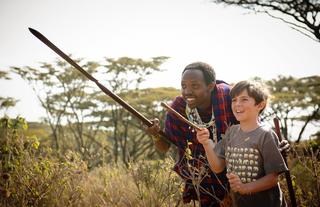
(287, 173)
(179, 116)
(115, 97)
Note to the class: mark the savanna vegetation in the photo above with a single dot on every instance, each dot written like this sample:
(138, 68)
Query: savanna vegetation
(89, 151)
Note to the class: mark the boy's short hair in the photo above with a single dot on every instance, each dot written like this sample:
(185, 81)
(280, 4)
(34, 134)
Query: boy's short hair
(256, 90)
(208, 72)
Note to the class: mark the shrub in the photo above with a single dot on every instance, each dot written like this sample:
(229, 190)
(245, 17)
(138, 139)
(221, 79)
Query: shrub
(30, 180)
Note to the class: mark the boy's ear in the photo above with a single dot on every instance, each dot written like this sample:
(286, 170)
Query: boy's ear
(262, 105)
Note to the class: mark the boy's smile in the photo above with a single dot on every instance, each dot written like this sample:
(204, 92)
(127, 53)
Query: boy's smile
(245, 108)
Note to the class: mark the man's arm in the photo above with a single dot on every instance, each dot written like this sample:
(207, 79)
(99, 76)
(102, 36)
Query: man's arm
(160, 144)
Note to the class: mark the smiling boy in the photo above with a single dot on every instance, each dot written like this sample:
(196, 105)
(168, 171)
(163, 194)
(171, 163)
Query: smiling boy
(249, 151)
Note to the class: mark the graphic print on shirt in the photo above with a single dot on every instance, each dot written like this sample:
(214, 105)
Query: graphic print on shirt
(243, 161)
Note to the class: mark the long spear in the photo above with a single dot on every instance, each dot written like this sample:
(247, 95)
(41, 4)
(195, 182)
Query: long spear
(287, 173)
(115, 97)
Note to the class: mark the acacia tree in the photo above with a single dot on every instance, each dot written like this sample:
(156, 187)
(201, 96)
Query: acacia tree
(84, 119)
(148, 101)
(295, 100)
(124, 76)
(301, 15)
(58, 87)
(6, 102)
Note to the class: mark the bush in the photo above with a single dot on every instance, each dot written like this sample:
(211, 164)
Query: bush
(30, 180)
(145, 183)
(305, 170)
(34, 177)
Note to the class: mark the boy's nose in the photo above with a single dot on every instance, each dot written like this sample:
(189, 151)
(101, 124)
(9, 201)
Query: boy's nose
(237, 103)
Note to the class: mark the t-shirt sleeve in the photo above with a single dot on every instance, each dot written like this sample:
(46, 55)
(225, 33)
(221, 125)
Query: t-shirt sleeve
(272, 158)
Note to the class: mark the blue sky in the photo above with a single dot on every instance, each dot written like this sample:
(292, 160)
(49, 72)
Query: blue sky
(239, 45)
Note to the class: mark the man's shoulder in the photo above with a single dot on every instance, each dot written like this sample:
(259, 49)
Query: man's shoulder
(221, 85)
(179, 104)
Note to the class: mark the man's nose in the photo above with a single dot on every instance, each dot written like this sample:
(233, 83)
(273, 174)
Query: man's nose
(187, 91)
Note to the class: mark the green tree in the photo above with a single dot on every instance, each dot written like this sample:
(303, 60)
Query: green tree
(296, 100)
(301, 15)
(6, 102)
(60, 90)
(83, 118)
(124, 78)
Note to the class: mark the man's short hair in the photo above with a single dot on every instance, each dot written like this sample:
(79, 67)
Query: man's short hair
(207, 71)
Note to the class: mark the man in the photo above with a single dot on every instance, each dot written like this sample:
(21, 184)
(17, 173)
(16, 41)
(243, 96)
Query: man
(207, 103)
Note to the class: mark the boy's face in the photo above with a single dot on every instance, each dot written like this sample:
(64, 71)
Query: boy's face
(245, 108)
(194, 90)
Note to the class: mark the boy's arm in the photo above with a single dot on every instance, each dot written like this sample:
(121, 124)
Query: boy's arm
(217, 164)
(263, 183)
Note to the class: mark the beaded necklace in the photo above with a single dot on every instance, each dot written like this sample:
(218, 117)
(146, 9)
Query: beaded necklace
(193, 116)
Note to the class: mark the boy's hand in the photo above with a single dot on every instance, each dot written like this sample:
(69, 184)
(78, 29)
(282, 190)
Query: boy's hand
(203, 136)
(236, 185)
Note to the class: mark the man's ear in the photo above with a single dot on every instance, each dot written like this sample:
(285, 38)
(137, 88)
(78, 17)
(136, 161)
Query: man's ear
(211, 86)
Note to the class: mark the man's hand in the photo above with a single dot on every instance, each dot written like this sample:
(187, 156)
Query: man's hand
(284, 146)
(154, 129)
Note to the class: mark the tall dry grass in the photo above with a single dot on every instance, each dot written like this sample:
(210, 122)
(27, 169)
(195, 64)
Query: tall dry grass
(32, 175)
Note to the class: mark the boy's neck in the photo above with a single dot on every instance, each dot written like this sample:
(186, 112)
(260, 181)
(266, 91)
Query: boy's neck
(249, 125)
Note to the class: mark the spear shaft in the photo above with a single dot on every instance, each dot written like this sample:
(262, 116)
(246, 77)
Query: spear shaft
(115, 97)
(287, 173)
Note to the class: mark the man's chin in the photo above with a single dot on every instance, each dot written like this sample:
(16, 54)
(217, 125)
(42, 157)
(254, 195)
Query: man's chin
(191, 106)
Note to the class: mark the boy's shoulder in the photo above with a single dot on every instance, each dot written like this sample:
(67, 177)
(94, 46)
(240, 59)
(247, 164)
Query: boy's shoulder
(233, 129)
(268, 134)
(263, 129)
(266, 128)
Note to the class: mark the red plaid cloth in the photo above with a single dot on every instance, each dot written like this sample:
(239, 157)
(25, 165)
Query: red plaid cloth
(213, 186)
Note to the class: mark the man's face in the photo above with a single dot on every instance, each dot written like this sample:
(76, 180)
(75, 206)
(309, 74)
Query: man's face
(194, 90)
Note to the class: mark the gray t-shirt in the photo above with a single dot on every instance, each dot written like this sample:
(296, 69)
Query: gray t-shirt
(252, 155)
